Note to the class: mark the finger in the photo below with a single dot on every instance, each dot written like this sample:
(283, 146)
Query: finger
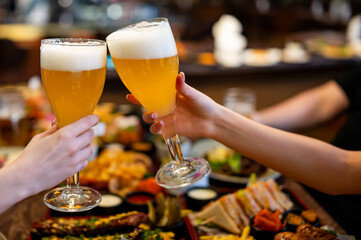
(150, 117)
(48, 132)
(156, 127)
(181, 86)
(85, 138)
(81, 125)
(81, 155)
(80, 166)
(132, 99)
(77, 168)
(184, 89)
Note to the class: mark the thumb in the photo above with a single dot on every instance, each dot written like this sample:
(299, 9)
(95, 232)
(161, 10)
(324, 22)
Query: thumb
(184, 89)
(53, 129)
(40, 136)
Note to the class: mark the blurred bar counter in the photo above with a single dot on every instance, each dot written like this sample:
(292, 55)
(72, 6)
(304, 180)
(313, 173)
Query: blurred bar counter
(20, 60)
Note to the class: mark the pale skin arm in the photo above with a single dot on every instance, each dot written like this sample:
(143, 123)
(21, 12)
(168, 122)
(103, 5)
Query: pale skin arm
(48, 159)
(310, 161)
(305, 109)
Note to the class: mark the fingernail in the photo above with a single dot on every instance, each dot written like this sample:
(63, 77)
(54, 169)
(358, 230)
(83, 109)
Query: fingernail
(95, 118)
(154, 115)
(183, 76)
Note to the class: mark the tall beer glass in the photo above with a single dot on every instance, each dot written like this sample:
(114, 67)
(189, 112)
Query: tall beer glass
(145, 57)
(73, 75)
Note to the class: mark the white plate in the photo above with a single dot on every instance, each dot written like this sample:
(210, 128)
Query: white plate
(201, 147)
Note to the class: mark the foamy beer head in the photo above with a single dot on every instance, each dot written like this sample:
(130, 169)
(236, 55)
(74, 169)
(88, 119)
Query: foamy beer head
(71, 55)
(152, 39)
(73, 74)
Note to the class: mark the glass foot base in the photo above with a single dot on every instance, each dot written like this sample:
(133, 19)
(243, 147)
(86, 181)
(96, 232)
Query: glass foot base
(77, 199)
(178, 175)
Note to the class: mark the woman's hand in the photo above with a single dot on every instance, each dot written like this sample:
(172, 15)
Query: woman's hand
(194, 111)
(56, 154)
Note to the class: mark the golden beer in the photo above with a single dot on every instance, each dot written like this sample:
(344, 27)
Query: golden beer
(152, 81)
(73, 95)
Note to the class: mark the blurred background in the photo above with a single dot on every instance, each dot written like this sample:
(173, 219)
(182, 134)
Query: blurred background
(276, 48)
(273, 48)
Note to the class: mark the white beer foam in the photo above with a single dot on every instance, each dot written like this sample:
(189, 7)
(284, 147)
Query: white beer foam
(72, 58)
(143, 40)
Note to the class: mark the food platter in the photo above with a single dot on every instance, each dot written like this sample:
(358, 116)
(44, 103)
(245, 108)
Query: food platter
(270, 173)
(200, 149)
(222, 219)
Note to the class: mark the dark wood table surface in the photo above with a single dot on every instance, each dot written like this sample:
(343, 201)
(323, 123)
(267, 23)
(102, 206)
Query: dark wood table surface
(17, 221)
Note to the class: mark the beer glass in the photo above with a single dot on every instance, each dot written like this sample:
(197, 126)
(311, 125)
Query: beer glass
(240, 100)
(145, 57)
(73, 75)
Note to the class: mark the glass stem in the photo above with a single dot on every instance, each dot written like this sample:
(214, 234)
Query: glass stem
(174, 148)
(169, 132)
(73, 181)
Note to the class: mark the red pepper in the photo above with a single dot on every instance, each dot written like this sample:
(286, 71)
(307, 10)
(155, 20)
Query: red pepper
(267, 221)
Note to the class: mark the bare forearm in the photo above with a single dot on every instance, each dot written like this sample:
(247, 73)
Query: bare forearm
(14, 187)
(306, 109)
(307, 160)
(296, 113)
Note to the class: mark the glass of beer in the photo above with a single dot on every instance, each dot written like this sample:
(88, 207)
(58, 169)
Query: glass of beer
(146, 59)
(73, 75)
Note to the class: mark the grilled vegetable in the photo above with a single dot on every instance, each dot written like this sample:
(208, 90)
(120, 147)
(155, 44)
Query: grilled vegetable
(167, 211)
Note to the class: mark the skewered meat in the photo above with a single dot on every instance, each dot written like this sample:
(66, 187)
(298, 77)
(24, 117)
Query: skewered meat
(125, 222)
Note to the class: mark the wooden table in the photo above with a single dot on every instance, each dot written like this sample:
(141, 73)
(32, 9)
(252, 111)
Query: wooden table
(16, 222)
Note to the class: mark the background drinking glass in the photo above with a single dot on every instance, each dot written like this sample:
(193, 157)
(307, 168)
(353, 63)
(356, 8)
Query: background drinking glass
(13, 127)
(240, 100)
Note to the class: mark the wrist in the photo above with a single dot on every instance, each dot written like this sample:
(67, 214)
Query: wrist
(216, 122)
(20, 180)
(10, 187)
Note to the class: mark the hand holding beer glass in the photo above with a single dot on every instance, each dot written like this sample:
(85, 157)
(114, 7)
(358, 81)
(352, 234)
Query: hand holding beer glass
(145, 57)
(73, 75)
